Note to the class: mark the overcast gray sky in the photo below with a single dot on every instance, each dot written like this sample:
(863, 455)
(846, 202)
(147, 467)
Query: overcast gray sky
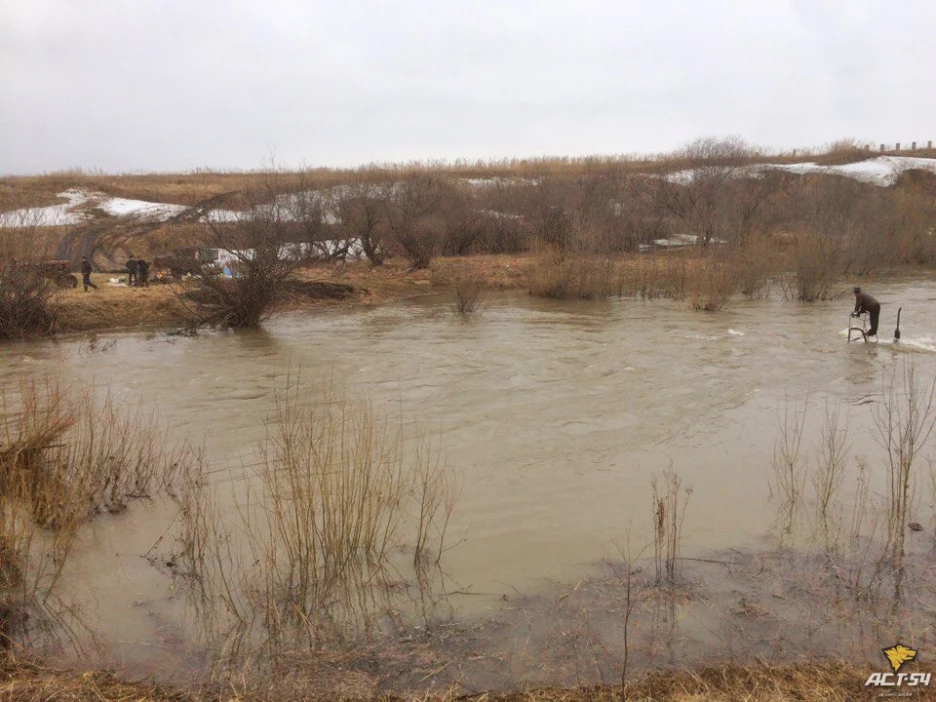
(130, 85)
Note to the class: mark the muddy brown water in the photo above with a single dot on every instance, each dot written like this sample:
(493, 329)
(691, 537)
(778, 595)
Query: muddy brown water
(555, 415)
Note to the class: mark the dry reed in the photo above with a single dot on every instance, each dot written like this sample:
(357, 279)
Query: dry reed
(64, 456)
(307, 557)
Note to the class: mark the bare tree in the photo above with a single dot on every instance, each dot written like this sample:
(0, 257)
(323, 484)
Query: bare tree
(545, 210)
(466, 225)
(696, 195)
(307, 206)
(362, 213)
(414, 217)
(256, 247)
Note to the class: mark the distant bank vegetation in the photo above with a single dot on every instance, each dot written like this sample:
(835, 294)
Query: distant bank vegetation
(747, 219)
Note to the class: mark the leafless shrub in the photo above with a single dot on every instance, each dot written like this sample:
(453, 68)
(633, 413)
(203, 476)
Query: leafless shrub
(26, 306)
(905, 421)
(307, 558)
(651, 277)
(468, 295)
(435, 494)
(860, 507)
(564, 274)
(815, 263)
(828, 474)
(755, 264)
(263, 259)
(466, 226)
(698, 197)
(788, 469)
(668, 517)
(363, 217)
(414, 217)
(712, 285)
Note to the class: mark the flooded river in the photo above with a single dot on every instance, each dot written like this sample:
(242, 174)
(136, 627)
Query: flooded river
(555, 415)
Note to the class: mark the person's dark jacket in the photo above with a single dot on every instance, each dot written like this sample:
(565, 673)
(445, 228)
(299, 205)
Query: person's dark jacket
(865, 303)
(132, 265)
(86, 267)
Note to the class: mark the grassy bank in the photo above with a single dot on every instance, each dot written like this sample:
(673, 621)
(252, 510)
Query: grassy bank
(27, 681)
(704, 282)
(160, 306)
(111, 307)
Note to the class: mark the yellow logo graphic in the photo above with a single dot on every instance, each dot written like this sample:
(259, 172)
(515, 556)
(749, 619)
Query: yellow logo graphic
(898, 654)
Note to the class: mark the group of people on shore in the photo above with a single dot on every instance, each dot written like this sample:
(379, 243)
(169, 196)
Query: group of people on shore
(137, 273)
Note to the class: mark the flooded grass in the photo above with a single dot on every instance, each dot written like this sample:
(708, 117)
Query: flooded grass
(305, 560)
(66, 455)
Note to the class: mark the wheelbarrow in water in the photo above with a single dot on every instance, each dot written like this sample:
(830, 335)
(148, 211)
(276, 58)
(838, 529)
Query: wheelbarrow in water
(856, 332)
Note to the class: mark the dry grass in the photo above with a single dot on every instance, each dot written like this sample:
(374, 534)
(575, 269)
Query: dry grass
(111, 307)
(307, 561)
(706, 281)
(193, 186)
(27, 681)
(563, 275)
(64, 456)
(325, 283)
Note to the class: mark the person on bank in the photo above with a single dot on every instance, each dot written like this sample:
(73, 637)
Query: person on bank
(142, 274)
(132, 267)
(86, 274)
(865, 303)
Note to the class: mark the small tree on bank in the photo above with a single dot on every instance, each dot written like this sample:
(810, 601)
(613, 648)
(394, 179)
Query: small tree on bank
(258, 250)
(414, 218)
(363, 217)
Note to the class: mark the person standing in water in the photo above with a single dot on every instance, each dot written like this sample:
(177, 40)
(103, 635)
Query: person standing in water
(865, 303)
